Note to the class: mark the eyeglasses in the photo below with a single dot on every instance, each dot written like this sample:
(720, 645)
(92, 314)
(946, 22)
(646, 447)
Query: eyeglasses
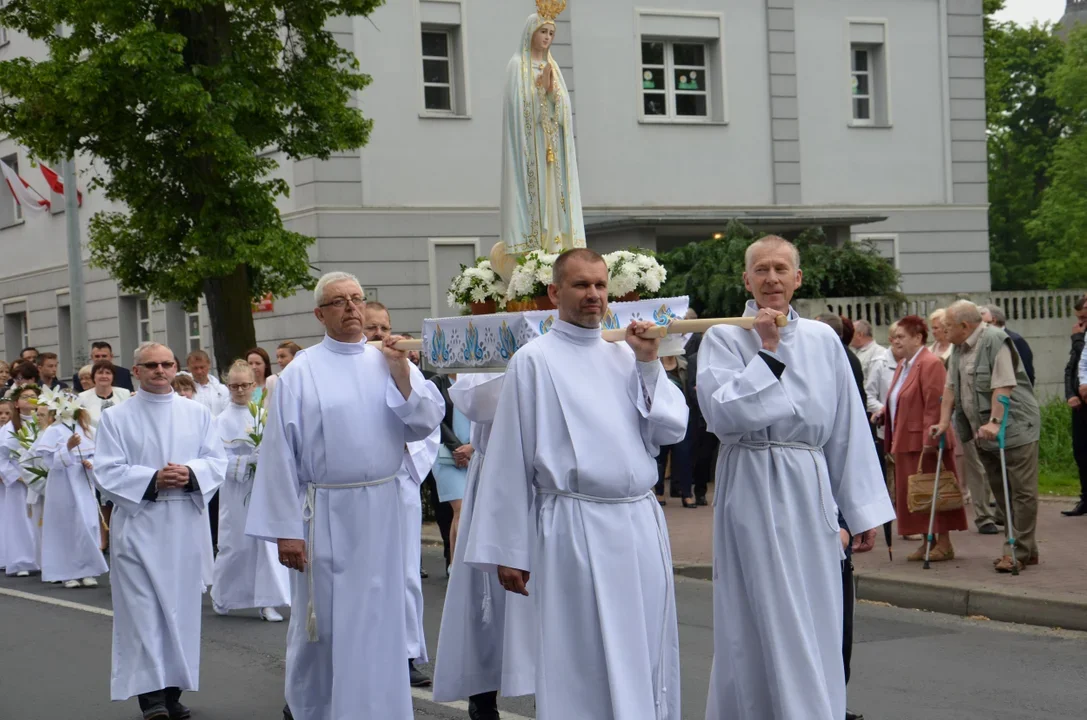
(341, 302)
(153, 365)
(238, 387)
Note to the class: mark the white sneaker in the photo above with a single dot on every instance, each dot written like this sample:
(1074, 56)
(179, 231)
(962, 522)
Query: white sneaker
(270, 614)
(90, 582)
(72, 584)
(23, 573)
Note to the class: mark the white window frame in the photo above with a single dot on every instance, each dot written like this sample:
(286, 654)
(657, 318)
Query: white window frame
(884, 237)
(436, 293)
(872, 35)
(189, 337)
(142, 303)
(854, 76)
(449, 17)
(24, 331)
(450, 61)
(670, 91)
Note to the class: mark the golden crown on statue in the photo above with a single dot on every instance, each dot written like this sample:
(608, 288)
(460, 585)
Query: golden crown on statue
(548, 10)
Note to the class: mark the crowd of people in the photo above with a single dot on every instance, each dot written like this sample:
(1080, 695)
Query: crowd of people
(547, 480)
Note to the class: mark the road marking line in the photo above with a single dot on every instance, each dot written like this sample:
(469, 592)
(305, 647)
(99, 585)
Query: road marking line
(418, 693)
(57, 602)
(428, 696)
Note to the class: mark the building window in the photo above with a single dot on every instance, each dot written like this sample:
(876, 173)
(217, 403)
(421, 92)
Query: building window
(16, 329)
(23, 329)
(675, 79)
(192, 321)
(438, 70)
(862, 85)
(143, 320)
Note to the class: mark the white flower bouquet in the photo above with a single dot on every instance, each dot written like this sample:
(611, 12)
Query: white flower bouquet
(531, 276)
(477, 285)
(631, 273)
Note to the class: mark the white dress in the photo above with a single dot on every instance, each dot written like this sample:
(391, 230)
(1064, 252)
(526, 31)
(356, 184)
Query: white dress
(247, 571)
(794, 451)
(476, 653)
(70, 527)
(418, 460)
(578, 425)
(21, 539)
(156, 547)
(337, 420)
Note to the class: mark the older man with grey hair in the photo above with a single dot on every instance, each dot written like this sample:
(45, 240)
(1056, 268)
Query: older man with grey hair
(325, 492)
(993, 315)
(984, 367)
(159, 460)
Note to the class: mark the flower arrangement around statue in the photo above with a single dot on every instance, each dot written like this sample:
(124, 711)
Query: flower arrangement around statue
(528, 284)
(633, 276)
(478, 288)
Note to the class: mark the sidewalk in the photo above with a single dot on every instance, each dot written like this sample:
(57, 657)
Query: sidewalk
(1052, 593)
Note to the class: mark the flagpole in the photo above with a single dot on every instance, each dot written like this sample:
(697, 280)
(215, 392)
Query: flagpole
(77, 305)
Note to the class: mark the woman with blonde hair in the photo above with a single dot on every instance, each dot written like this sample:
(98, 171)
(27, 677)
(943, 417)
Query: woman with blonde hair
(940, 346)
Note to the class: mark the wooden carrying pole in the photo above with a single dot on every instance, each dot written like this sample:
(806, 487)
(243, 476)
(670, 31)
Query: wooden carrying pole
(676, 327)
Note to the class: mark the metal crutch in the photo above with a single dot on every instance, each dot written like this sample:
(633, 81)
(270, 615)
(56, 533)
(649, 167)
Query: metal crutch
(1006, 402)
(931, 538)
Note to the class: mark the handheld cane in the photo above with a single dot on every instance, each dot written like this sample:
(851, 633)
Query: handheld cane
(1000, 438)
(931, 538)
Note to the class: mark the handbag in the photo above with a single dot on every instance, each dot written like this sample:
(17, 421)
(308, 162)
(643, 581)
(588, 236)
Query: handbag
(919, 492)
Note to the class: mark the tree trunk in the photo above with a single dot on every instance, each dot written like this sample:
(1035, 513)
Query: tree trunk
(231, 310)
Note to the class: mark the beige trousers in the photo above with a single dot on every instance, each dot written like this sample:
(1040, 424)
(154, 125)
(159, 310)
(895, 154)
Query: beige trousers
(1023, 486)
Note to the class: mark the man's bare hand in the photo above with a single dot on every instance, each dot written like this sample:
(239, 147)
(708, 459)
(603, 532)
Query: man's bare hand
(463, 455)
(766, 327)
(172, 477)
(937, 430)
(292, 554)
(878, 417)
(514, 580)
(1075, 403)
(645, 348)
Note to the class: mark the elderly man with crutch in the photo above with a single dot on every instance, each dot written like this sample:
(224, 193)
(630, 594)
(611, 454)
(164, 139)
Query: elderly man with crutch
(994, 406)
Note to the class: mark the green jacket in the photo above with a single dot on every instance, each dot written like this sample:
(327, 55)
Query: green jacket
(1024, 420)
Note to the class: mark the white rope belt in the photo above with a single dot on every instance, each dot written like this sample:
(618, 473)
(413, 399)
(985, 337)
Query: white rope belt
(593, 498)
(308, 508)
(814, 450)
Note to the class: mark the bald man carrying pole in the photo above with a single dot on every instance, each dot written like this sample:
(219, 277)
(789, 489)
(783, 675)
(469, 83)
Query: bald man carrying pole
(795, 450)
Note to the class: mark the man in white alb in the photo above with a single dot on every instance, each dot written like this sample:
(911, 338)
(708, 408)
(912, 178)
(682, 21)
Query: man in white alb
(795, 449)
(325, 492)
(578, 425)
(159, 459)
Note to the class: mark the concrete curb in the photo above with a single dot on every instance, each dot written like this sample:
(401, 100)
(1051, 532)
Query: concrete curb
(1025, 609)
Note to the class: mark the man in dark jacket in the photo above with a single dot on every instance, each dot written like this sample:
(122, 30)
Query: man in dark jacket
(704, 444)
(101, 350)
(1072, 381)
(993, 315)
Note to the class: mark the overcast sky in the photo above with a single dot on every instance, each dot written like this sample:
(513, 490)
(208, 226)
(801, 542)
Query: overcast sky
(1025, 12)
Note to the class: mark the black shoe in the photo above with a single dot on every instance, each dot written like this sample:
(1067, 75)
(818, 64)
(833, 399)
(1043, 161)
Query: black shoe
(287, 715)
(156, 713)
(690, 504)
(701, 500)
(853, 716)
(483, 706)
(179, 712)
(423, 574)
(417, 677)
(989, 529)
(1077, 511)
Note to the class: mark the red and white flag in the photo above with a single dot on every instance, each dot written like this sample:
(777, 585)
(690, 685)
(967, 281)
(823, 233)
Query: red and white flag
(56, 184)
(24, 194)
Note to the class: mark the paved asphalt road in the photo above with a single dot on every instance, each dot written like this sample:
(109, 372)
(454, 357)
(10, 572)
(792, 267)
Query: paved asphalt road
(908, 665)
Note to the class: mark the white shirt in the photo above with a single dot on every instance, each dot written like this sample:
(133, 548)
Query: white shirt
(213, 395)
(892, 398)
(94, 405)
(869, 355)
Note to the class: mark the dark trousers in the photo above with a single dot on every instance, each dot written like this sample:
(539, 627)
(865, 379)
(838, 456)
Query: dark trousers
(213, 518)
(849, 598)
(681, 467)
(704, 445)
(1079, 447)
(443, 514)
(165, 698)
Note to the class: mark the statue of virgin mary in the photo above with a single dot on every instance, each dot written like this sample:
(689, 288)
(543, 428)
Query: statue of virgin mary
(541, 197)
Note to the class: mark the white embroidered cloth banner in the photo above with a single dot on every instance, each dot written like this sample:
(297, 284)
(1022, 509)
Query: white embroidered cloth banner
(487, 342)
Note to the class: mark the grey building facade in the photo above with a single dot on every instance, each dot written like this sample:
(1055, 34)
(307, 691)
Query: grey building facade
(865, 116)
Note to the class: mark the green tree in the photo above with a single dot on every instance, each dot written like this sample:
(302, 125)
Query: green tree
(1060, 223)
(711, 272)
(1025, 123)
(178, 101)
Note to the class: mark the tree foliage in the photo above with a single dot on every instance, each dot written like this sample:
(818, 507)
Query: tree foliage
(1060, 223)
(1025, 122)
(179, 103)
(711, 272)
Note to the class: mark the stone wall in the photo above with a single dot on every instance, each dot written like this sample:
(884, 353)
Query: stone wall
(1044, 318)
